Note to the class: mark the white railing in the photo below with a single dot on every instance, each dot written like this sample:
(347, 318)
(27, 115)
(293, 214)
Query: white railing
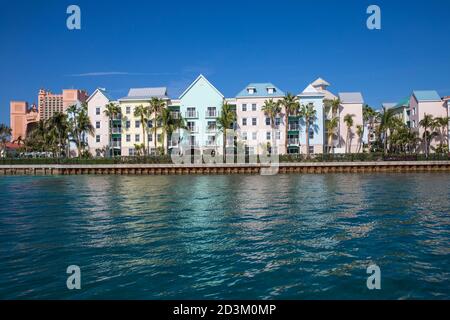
(191, 114)
(293, 141)
(193, 129)
(211, 114)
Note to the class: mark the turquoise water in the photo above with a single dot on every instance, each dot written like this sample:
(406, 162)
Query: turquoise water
(228, 237)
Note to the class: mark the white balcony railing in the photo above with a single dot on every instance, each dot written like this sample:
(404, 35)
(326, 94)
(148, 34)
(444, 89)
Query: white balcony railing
(293, 141)
(193, 129)
(294, 127)
(211, 129)
(116, 130)
(117, 144)
(211, 114)
(191, 114)
(175, 115)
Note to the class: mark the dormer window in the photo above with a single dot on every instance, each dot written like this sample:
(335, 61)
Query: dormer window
(251, 90)
(270, 90)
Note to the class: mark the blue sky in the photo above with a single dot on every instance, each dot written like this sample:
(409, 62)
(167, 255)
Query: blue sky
(290, 43)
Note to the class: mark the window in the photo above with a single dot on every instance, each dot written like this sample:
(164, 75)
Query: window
(253, 121)
(131, 152)
(137, 138)
(244, 121)
(254, 107)
(158, 137)
(97, 138)
(128, 110)
(268, 135)
(311, 133)
(277, 121)
(414, 123)
(267, 121)
(278, 135)
(97, 110)
(244, 135)
(150, 137)
(137, 124)
(127, 124)
(150, 124)
(414, 111)
(311, 149)
(97, 124)
(270, 90)
(254, 135)
(128, 138)
(251, 90)
(244, 107)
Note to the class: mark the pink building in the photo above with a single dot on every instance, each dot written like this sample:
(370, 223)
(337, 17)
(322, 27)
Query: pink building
(423, 103)
(50, 103)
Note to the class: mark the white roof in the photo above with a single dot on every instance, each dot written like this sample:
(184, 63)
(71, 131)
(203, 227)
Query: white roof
(320, 82)
(351, 97)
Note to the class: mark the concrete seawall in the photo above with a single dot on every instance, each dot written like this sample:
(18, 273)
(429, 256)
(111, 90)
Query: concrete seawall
(180, 169)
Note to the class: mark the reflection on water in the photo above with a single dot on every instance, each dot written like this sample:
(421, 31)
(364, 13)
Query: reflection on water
(232, 237)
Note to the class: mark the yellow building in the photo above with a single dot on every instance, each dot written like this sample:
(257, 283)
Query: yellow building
(134, 133)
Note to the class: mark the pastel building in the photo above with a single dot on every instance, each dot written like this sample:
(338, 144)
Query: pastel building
(22, 119)
(351, 104)
(423, 103)
(99, 143)
(254, 126)
(132, 130)
(200, 105)
(50, 103)
(310, 96)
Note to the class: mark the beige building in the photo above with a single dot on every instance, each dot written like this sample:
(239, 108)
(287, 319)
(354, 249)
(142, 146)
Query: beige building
(49, 103)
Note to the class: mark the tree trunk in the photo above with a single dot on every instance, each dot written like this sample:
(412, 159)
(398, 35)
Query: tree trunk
(307, 138)
(224, 137)
(286, 132)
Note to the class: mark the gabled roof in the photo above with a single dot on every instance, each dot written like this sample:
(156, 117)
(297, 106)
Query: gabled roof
(403, 103)
(389, 105)
(260, 91)
(320, 82)
(310, 91)
(197, 80)
(100, 91)
(351, 97)
(138, 94)
(426, 95)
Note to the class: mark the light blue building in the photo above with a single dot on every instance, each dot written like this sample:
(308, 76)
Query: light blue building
(200, 105)
(297, 129)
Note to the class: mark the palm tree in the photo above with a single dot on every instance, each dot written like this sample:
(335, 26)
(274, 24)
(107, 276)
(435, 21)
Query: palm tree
(331, 126)
(386, 119)
(79, 125)
(348, 119)
(291, 107)
(332, 105)
(426, 123)
(442, 124)
(359, 133)
(156, 107)
(112, 110)
(59, 124)
(369, 117)
(308, 113)
(5, 136)
(142, 113)
(224, 122)
(271, 109)
(169, 124)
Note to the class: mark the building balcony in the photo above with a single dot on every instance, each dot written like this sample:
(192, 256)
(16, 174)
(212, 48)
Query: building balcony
(211, 114)
(294, 127)
(193, 129)
(175, 115)
(293, 142)
(116, 144)
(191, 114)
(211, 129)
(116, 130)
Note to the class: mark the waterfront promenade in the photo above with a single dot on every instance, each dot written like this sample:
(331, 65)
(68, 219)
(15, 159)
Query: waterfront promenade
(234, 168)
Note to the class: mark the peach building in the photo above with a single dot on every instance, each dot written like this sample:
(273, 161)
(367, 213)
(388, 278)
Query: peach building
(21, 119)
(351, 104)
(50, 103)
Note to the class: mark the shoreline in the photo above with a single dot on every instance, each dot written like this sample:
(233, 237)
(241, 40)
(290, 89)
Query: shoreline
(222, 169)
